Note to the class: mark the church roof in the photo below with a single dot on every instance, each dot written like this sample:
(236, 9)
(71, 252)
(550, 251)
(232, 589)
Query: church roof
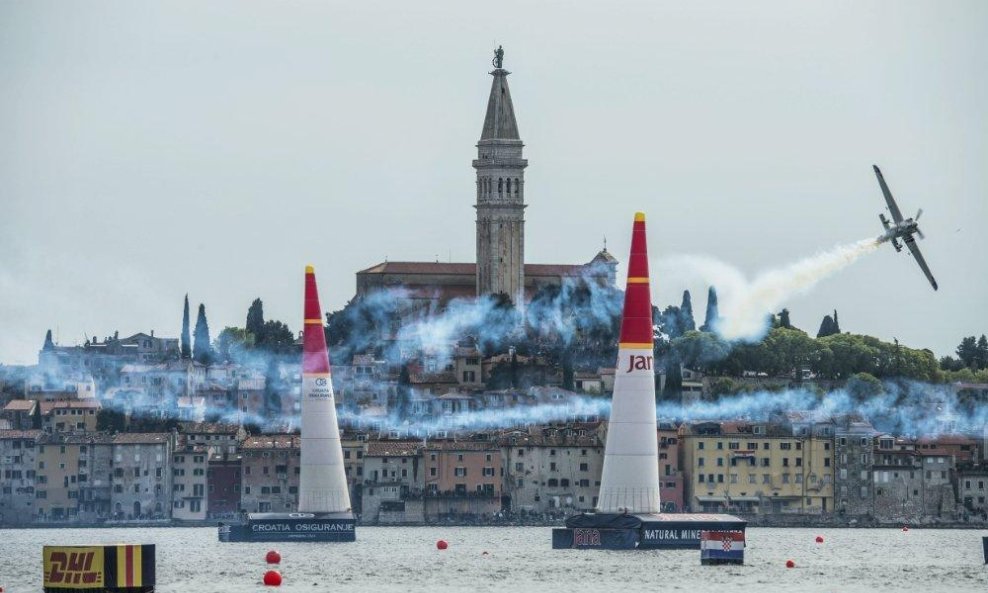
(457, 269)
(500, 123)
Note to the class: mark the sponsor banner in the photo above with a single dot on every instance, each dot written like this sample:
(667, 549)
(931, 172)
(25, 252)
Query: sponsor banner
(74, 567)
(302, 526)
(671, 536)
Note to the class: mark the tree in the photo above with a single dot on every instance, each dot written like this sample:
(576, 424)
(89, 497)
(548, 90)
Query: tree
(231, 343)
(686, 313)
(981, 353)
(403, 395)
(784, 319)
(255, 320)
(713, 316)
(272, 389)
(863, 386)
(828, 327)
(276, 337)
(186, 339)
(202, 352)
(836, 323)
(967, 351)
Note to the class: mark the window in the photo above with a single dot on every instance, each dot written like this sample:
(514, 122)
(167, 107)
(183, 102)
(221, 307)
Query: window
(799, 462)
(432, 471)
(720, 444)
(766, 478)
(734, 478)
(752, 479)
(460, 472)
(700, 478)
(699, 461)
(766, 446)
(785, 446)
(699, 445)
(785, 462)
(734, 445)
(765, 461)
(720, 462)
(584, 467)
(720, 478)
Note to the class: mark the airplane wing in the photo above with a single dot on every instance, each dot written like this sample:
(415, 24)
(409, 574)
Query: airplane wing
(896, 215)
(914, 248)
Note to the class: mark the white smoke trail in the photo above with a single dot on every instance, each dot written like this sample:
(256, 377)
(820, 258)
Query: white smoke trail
(746, 304)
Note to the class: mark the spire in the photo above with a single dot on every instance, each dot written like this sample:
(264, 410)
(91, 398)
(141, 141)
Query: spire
(49, 345)
(630, 477)
(499, 123)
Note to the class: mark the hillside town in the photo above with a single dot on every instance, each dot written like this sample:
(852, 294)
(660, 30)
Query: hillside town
(128, 431)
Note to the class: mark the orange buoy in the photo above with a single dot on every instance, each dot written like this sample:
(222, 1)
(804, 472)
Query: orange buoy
(272, 578)
(819, 539)
(442, 544)
(790, 564)
(273, 557)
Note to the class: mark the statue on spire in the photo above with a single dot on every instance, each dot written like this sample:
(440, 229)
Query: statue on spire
(498, 60)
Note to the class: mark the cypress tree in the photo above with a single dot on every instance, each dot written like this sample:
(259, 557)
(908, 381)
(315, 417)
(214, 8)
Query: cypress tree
(713, 315)
(686, 312)
(827, 327)
(836, 323)
(981, 350)
(255, 320)
(272, 389)
(202, 352)
(186, 339)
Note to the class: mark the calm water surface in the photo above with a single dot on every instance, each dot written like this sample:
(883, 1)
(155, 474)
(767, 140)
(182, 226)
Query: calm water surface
(520, 559)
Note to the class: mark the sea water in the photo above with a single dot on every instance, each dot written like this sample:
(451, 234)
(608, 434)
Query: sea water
(405, 559)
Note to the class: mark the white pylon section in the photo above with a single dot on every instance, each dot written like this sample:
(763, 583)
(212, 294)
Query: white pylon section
(630, 479)
(322, 481)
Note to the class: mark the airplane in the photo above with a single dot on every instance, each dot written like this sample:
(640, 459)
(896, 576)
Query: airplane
(902, 228)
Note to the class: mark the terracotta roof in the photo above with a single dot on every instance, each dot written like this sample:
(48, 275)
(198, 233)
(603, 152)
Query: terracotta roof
(72, 404)
(19, 434)
(20, 405)
(140, 438)
(461, 446)
(207, 428)
(393, 449)
(461, 269)
(75, 438)
(272, 441)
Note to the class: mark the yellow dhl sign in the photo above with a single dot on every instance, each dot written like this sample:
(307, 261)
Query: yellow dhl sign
(102, 568)
(74, 567)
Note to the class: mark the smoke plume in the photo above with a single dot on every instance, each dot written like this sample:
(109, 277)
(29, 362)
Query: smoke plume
(745, 305)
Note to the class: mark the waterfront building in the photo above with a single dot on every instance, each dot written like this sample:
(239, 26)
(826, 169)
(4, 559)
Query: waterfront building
(671, 476)
(190, 464)
(550, 469)
(394, 482)
(224, 485)
(461, 478)
(853, 458)
(142, 476)
(23, 414)
(756, 468)
(270, 477)
(18, 460)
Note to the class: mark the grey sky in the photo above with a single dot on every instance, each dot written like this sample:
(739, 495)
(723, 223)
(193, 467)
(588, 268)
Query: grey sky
(153, 149)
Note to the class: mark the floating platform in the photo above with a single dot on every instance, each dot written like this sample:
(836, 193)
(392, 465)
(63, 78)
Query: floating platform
(291, 527)
(609, 531)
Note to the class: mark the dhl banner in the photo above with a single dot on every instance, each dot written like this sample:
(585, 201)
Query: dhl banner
(74, 567)
(124, 567)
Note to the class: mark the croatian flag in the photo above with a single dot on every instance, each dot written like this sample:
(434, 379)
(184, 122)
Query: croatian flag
(722, 545)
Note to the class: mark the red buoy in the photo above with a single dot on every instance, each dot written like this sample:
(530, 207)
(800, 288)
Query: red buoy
(819, 539)
(441, 544)
(905, 528)
(272, 578)
(790, 564)
(273, 557)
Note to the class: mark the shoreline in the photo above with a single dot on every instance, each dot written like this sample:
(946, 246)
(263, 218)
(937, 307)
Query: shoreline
(752, 522)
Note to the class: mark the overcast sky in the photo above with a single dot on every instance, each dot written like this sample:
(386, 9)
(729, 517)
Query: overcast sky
(153, 149)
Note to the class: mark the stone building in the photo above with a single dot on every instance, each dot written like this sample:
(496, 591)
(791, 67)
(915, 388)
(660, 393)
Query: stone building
(18, 460)
(69, 415)
(223, 485)
(190, 465)
(394, 482)
(142, 476)
(973, 490)
(73, 476)
(853, 458)
(672, 480)
(271, 467)
(551, 469)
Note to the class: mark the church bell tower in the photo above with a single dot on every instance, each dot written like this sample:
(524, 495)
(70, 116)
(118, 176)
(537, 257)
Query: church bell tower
(500, 195)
